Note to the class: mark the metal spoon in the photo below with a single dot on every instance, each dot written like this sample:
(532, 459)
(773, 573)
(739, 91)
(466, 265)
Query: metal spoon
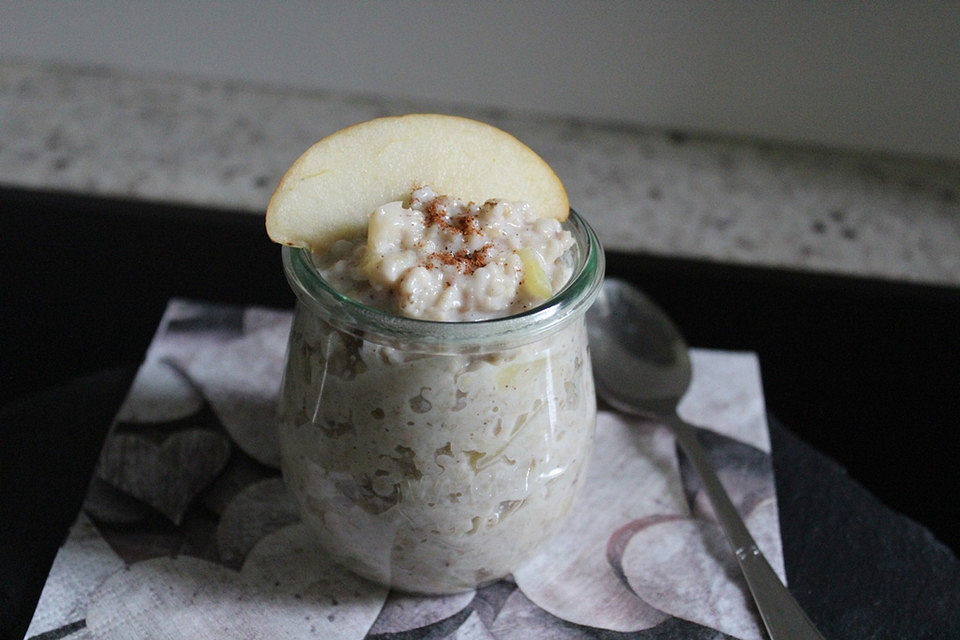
(641, 367)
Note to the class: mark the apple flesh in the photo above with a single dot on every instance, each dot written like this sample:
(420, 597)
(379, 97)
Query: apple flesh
(331, 190)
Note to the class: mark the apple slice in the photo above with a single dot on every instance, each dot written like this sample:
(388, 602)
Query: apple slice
(331, 190)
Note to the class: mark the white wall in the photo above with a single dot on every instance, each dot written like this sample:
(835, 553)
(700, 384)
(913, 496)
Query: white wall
(880, 75)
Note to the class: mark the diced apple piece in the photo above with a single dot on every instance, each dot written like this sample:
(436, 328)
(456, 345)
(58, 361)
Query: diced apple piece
(331, 190)
(535, 282)
(381, 225)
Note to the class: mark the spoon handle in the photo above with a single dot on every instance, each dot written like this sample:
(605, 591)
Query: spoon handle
(781, 613)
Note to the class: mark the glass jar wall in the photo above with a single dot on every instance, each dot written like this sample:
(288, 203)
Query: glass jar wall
(436, 456)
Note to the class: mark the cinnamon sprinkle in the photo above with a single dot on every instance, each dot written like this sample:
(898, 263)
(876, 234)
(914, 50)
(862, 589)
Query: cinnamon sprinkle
(465, 262)
(465, 225)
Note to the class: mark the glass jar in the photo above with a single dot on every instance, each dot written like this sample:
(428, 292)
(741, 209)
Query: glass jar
(436, 456)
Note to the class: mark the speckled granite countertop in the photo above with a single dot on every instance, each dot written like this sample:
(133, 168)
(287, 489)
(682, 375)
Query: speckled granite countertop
(226, 145)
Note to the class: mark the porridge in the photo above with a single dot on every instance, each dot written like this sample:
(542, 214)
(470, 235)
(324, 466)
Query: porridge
(437, 258)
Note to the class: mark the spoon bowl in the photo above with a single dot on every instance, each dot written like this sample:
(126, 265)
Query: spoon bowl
(646, 368)
(641, 366)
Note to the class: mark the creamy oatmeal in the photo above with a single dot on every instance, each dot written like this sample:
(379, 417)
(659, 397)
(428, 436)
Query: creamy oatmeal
(438, 258)
(434, 457)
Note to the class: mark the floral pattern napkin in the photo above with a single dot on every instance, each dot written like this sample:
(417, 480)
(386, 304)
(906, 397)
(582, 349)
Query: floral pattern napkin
(188, 531)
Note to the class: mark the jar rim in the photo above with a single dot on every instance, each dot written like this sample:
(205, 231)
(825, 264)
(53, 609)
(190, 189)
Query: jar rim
(358, 319)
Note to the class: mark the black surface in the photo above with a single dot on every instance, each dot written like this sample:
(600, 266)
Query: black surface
(84, 280)
(50, 443)
(866, 371)
(859, 569)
